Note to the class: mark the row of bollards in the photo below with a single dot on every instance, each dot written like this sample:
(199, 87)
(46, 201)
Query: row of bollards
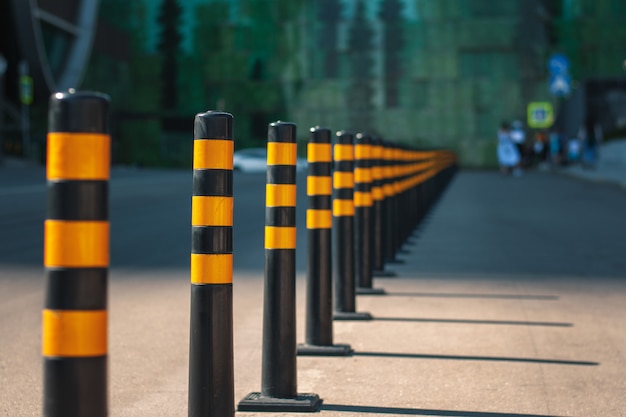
(365, 197)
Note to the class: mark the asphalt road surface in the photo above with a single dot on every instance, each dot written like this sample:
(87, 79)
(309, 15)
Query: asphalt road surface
(537, 259)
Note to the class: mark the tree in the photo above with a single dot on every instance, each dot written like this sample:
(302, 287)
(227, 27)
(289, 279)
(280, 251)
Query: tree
(329, 15)
(360, 93)
(169, 47)
(393, 42)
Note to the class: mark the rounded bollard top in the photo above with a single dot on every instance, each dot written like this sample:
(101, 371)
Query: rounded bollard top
(363, 138)
(213, 125)
(345, 137)
(281, 132)
(319, 135)
(78, 112)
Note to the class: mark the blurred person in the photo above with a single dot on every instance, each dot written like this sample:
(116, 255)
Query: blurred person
(554, 141)
(590, 135)
(518, 136)
(540, 149)
(573, 150)
(508, 155)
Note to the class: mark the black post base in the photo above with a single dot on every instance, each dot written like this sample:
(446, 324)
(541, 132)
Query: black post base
(384, 274)
(316, 350)
(341, 315)
(370, 291)
(302, 403)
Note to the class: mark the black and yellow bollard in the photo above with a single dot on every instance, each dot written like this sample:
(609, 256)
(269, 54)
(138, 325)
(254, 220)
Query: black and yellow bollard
(278, 370)
(378, 197)
(363, 219)
(76, 256)
(391, 204)
(386, 207)
(404, 208)
(211, 371)
(343, 230)
(319, 221)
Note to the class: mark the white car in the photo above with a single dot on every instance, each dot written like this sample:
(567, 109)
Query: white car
(255, 160)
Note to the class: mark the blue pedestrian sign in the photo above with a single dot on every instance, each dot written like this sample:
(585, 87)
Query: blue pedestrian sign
(558, 64)
(559, 81)
(560, 85)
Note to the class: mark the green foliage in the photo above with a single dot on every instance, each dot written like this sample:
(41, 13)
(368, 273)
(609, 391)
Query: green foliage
(169, 47)
(141, 145)
(238, 61)
(130, 84)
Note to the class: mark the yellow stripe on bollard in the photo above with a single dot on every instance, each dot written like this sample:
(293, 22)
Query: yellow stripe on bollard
(78, 156)
(213, 154)
(211, 268)
(280, 237)
(74, 333)
(76, 243)
(279, 153)
(377, 193)
(343, 208)
(344, 152)
(363, 175)
(363, 199)
(319, 219)
(211, 211)
(362, 151)
(319, 186)
(280, 195)
(343, 179)
(388, 190)
(319, 152)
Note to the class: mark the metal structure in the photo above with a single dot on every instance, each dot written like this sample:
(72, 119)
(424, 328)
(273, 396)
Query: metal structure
(55, 38)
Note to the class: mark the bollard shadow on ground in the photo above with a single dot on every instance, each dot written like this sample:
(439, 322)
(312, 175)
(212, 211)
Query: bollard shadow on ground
(475, 358)
(468, 295)
(464, 321)
(399, 411)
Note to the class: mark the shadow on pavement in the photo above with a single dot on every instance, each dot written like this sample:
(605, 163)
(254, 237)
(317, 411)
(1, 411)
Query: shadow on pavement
(459, 321)
(419, 411)
(487, 296)
(474, 358)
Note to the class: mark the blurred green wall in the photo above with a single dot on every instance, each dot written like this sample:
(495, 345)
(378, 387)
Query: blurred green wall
(432, 73)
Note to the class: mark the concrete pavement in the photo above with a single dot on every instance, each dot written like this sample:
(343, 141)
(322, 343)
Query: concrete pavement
(511, 302)
(611, 165)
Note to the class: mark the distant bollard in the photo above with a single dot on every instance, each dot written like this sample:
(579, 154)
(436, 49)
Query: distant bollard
(211, 372)
(405, 209)
(278, 373)
(378, 197)
(412, 188)
(391, 203)
(76, 256)
(397, 209)
(363, 219)
(319, 221)
(400, 196)
(343, 230)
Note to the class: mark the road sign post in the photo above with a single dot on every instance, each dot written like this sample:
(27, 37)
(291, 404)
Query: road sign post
(3, 69)
(26, 98)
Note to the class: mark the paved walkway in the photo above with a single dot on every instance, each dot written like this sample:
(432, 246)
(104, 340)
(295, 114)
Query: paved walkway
(611, 166)
(511, 302)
